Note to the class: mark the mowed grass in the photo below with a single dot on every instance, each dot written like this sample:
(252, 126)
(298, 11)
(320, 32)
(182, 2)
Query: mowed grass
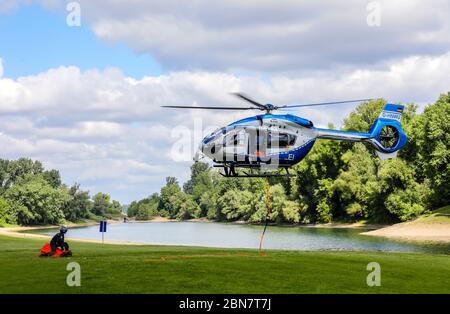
(169, 269)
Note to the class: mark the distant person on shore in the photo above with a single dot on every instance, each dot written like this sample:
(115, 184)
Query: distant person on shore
(58, 241)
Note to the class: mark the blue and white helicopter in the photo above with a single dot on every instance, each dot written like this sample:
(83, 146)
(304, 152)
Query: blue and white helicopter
(272, 141)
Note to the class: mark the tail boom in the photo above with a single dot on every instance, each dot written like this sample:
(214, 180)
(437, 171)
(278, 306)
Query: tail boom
(342, 135)
(385, 135)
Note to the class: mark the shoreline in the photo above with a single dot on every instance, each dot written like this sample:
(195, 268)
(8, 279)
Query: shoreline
(337, 225)
(414, 231)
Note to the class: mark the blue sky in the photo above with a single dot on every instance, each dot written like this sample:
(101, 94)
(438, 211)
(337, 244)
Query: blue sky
(86, 100)
(34, 39)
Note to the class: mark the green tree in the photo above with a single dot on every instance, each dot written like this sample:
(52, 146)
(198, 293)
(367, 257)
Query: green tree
(115, 207)
(101, 204)
(185, 206)
(4, 175)
(132, 209)
(433, 141)
(397, 191)
(235, 204)
(145, 208)
(34, 201)
(21, 167)
(168, 197)
(52, 177)
(209, 205)
(351, 186)
(323, 162)
(197, 169)
(78, 205)
(6, 213)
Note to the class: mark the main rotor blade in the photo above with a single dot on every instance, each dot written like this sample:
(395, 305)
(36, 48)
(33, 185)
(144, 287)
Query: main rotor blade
(246, 98)
(327, 103)
(212, 108)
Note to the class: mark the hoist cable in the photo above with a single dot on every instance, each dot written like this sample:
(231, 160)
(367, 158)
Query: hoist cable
(267, 215)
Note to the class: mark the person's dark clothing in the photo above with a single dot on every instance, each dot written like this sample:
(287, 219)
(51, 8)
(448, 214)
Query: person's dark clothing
(58, 241)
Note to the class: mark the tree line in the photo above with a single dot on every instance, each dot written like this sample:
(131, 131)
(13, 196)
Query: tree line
(31, 195)
(337, 181)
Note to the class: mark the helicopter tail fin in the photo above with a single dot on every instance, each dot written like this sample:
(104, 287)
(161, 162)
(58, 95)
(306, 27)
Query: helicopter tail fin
(391, 112)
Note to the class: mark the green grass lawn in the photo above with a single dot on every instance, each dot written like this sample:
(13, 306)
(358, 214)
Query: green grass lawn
(169, 269)
(441, 215)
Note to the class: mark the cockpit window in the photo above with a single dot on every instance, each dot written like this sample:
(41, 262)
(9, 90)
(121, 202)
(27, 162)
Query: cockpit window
(235, 138)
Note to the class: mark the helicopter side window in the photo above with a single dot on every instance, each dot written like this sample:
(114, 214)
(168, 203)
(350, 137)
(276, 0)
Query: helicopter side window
(281, 140)
(235, 139)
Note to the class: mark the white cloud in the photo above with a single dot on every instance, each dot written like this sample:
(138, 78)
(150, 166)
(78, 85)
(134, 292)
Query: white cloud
(263, 36)
(108, 132)
(272, 36)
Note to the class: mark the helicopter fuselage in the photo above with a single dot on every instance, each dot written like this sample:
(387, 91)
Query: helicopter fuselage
(280, 140)
(271, 140)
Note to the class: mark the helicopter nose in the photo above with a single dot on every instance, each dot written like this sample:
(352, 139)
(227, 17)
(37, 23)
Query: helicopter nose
(208, 149)
(211, 149)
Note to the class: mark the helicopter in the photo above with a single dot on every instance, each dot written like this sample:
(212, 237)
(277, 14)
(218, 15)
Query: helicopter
(268, 141)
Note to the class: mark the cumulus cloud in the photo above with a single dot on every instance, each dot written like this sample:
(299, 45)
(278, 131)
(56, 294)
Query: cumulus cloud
(272, 36)
(108, 132)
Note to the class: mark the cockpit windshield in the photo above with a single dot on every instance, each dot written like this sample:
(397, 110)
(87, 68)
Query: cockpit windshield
(235, 137)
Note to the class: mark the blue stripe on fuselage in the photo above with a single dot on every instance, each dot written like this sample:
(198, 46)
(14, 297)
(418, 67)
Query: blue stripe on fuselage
(298, 153)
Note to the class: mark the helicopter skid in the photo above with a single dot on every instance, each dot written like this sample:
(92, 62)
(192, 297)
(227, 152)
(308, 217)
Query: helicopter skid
(259, 175)
(230, 171)
(247, 165)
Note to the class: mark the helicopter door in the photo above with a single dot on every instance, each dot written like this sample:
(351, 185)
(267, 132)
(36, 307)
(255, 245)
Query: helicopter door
(235, 144)
(257, 143)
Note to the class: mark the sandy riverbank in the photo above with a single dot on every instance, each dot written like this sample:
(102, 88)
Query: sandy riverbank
(415, 231)
(434, 226)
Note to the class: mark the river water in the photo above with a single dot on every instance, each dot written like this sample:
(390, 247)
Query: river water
(229, 235)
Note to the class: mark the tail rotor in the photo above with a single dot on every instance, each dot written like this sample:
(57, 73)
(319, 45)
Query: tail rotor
(388, 137)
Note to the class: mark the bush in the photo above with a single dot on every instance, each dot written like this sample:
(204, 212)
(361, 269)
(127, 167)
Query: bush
(406, 204)
(7, 216)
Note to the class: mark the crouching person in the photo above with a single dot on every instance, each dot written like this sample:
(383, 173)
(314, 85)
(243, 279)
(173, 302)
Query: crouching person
(58, 242)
